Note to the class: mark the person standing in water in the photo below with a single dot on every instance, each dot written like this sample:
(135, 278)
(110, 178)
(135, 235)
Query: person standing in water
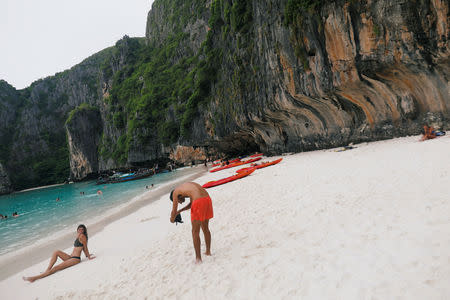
(201, 212)
(79, 245)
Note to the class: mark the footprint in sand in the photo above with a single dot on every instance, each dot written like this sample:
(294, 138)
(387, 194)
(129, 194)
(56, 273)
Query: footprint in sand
(429, 282)
(148, 219)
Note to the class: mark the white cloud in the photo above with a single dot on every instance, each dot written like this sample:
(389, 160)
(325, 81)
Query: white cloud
(41, 38)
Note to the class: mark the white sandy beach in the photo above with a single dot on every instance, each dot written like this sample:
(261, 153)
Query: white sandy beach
(369, 223)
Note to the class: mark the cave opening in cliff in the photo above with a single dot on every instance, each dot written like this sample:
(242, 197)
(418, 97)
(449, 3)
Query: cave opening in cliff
(238, 144)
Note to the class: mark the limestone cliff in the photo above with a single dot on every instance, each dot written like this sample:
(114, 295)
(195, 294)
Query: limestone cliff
(187, 155)
(10, 104)
(352, 71)
(5, 184)
(37, 151)
(84, 129)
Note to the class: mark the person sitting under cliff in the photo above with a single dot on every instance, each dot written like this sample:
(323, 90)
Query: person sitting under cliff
(428, 134)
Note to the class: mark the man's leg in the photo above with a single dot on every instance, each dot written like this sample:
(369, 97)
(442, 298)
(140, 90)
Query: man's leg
(196, 239)
(207, 234)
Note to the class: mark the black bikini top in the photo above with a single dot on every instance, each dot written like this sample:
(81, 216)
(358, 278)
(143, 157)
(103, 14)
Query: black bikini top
(77, 243)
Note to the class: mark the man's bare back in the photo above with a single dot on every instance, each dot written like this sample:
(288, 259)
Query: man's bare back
(190, 189)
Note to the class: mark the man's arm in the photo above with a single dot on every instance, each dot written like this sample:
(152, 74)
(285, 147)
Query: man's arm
(83, 240)
(185, 208)
(174, 206)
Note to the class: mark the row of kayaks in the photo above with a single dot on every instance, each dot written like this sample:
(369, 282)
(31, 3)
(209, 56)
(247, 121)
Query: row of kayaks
(228, 179)
(235, 164)
(260, 166)
(241, 173)
(235, 160)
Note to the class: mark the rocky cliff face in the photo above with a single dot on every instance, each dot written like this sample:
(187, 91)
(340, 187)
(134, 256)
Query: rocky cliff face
(84, 129)
(355, 71)
(5, 184)
(10, 103)
(186, 155)
(37, 151)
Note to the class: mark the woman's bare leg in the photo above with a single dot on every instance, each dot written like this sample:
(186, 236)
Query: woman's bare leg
(56, 254)
(61, 266)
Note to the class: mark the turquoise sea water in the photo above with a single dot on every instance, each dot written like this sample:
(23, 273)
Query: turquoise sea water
(41, 215)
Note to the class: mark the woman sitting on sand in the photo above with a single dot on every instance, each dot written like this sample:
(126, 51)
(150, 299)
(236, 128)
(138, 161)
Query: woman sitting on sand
(79, 245)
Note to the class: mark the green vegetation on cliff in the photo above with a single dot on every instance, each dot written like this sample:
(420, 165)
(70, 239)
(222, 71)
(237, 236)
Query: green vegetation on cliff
(40, 169)
(82, 107)
(294, 12)
(294, 9)
(152, 83)
(158, 94)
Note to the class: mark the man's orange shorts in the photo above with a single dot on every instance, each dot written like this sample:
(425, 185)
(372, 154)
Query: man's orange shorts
(201, 209)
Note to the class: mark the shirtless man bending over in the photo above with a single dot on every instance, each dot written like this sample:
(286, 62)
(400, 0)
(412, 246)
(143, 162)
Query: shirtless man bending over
(201, 211)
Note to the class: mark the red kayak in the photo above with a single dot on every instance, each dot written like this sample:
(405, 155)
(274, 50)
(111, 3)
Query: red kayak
(228, 179)
(239, 163)
(256, 155)
(218, 163)
(261, 165)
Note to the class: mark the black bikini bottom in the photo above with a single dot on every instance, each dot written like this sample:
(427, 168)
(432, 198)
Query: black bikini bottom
(77, 257)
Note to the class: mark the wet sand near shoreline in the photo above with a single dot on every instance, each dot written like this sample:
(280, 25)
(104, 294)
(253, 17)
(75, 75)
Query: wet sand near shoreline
(12, 264)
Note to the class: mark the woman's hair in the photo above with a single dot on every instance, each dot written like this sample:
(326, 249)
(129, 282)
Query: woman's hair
(85, 230)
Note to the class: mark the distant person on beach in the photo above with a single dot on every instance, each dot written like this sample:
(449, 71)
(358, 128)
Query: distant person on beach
(99, 193)
(2, 216)
(201, 211)
(428, 133)
(15, 214)
(57, 199)
(79, 245)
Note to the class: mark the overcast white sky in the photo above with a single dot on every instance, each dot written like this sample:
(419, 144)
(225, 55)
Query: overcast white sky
(42, 37)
